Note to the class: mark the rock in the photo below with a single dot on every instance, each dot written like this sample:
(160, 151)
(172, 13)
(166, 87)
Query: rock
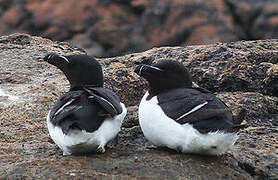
(251, 18)
(242, 74)
(240, 66)
(110, 28)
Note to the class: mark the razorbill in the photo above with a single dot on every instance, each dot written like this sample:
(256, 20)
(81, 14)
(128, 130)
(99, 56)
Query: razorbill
(86, 117)
(175, 115)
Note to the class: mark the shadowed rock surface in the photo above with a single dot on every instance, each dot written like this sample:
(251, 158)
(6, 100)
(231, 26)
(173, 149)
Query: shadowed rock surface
(242, 74)
(108, 28)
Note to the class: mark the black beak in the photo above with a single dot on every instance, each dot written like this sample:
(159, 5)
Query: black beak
(53, 57)
(146, 70)
(49, 57)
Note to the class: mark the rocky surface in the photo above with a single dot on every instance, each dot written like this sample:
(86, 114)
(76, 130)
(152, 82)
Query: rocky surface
(108, 28)
(242, 74)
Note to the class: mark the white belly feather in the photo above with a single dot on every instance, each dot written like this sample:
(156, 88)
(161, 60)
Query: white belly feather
(77, 141)
(163, 131)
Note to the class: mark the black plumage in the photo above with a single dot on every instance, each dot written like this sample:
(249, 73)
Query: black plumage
(85, 109)
(87, 104)
(171, 82)
(213, 116)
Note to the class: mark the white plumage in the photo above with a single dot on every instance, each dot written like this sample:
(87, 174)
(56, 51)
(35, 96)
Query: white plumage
(77, 141)
(165, 132)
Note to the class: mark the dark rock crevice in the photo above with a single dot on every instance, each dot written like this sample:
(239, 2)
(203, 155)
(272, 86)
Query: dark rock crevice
(252, 171)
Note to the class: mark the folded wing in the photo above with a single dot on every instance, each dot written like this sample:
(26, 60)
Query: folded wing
(107, 99)
(85, 109)
(198, 107)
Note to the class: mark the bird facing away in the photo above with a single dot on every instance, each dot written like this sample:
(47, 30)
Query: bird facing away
(88, 116)
(175, 115)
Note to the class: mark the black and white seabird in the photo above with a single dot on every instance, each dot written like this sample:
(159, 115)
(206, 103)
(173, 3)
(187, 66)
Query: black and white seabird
(88, 116)
(175, 115)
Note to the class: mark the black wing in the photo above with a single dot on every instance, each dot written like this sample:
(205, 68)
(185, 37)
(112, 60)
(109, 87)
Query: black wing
(196, 106)
(75, 109)
(106, 98)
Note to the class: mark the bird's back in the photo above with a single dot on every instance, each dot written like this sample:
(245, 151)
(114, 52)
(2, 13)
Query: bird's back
(74, 110)
(198, 107)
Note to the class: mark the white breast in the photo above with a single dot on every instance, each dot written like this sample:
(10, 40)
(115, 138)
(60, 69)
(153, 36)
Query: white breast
(77, 141)
(163, 131)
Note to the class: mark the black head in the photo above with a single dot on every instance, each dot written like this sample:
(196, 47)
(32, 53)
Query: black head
(165, 75)
(80, 70)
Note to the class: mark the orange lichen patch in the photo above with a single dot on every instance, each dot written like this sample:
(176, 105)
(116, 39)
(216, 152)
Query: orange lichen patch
(271, 7)
(203, 32)
(139, 2)
(187, 24)
(273, 21)
(117, 65)
(222, 12)
(13, 16)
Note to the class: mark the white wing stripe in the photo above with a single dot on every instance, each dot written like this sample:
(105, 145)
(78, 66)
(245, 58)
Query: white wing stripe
(192, 110)
(156, 68)
(64, 58)
(141, 69)
(50, 56)
(110, 104)
(61, 108)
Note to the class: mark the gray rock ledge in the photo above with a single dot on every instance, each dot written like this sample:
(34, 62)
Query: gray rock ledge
(243, 74)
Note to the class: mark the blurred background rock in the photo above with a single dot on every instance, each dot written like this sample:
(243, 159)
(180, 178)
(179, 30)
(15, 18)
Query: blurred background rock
(115, 27)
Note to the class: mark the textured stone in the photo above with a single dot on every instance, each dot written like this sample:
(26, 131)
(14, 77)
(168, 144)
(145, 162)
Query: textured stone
(26, 150)
(254, 19)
